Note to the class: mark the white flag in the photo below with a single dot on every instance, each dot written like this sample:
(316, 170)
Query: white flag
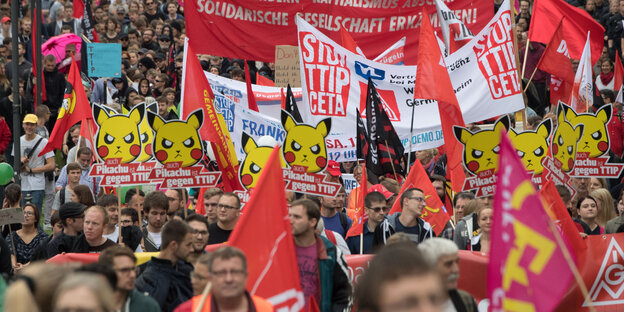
(448, 20)
(582, 93)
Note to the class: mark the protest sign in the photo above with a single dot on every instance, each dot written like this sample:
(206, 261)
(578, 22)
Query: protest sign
(287, 66)
(11, 215)
(261, 25)
(334, 82)
(350, 182)
(104, 59)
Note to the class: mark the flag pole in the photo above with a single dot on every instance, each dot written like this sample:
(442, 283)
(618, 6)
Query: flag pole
(529, 82)
(566, 255)
(409, 153)
(391, 161)
(200, 306)
(120, 240)
(526, 52)
(520, 115)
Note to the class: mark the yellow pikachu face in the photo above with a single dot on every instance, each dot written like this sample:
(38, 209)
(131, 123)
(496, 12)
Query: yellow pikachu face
(532, 145)
(177, 140)
(595, 139)
(564, 141)
(147, 135)
(304, 145)
(118, 135)
(481, 148)
(255, 160)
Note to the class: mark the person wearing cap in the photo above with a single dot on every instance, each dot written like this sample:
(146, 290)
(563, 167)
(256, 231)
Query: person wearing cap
(5, 31)
(375, 209)
(72, 218)
(32, 172)
(164, 42)
(161, 62)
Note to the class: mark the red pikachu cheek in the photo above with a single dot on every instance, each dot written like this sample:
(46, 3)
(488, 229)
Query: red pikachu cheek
(161, 156)
(148, 149)
(135, 150)
(570, 163)
(603, 146)
(555, 149)
(196, 153)
(103, 151)
(321, 162)
(289, 157)
(473, 166)
(247, 179)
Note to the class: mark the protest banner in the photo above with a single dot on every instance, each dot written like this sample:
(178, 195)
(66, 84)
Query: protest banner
(484, 87)
(287, 66)
(261, 25)
(11, 215)
(104, 59)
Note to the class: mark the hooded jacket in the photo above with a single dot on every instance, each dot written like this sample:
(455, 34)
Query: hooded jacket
(169, 285)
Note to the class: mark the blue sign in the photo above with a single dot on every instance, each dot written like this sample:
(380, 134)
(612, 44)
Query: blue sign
(104, 59)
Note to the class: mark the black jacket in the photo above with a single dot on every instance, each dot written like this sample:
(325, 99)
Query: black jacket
(168, 284)
(55, 84)
(61, 243)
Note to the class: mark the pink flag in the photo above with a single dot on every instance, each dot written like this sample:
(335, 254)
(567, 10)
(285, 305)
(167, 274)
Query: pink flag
(527, 269)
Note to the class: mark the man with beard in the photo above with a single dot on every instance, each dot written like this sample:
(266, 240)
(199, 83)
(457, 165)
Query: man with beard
(155, 206)
(442, 254)
(84, 158)
(333, 218)
(199, 231)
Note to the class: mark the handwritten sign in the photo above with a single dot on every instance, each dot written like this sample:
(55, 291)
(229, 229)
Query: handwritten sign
(11, 215)
(104, 59)
(287, 66)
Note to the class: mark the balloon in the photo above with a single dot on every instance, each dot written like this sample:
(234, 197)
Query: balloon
(6, 173)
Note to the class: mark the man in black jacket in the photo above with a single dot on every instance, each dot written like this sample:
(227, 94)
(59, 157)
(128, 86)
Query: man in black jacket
(72, 218)
(55, 85)
(166, 278)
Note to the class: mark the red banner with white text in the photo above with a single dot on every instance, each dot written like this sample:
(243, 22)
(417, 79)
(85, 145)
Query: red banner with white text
(250, 29)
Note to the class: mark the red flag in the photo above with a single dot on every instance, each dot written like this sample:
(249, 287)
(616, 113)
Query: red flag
(547, 14)
(525, 258)
(283, 99)
(200, 209)
(251, 99)
(349, 43)
(433, 212)
(75, 108)
(560, 90)
(433, 82)
(556, 58)
(618, 73)
(78, 8)
(264, 81)
(198, 95)
(273, 270)
(313, 307)
(559, 214)
(360, 217)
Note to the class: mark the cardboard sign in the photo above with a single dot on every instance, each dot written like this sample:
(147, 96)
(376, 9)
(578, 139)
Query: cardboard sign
(104, 59)
(287, 66)
(11, 215)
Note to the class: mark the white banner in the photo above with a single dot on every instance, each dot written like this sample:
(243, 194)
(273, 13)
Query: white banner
(334, 82)
(450, 23)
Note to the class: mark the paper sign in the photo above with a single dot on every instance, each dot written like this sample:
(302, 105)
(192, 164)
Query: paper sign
(104, 59)
(350, 182)
(287, 66)
(11, 215)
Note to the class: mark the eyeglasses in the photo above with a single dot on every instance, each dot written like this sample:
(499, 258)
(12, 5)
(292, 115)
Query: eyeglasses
(203, 233)
(378, 209)
(29, 213)
(418, 199)
(221, 206)
(162, 81)
(224, 273)
(125, 270)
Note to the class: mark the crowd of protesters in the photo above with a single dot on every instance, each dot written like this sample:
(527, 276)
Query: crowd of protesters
(66, 211)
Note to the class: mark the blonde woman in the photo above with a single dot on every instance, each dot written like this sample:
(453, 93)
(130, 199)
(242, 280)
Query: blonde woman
(606, 209)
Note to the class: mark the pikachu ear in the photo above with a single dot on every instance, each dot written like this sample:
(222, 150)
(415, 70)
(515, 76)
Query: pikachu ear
(544, 128)
(100, 114)
(287, 121)
(195, 119)
(512, 133)
(561, 113)
(569, 112)
(578, 131)
(248, 143)
(502, 122)
(462, 134)
(604, 113)
(155, 121)
(324, 127)
(136, 114)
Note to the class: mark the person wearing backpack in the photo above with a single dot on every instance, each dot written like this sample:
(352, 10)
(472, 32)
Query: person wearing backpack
(34, 167)
(64, 194)
(334, 219)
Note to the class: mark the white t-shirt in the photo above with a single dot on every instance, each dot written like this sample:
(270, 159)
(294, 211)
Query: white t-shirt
(33, 181)
(113, 236)
(156, 238)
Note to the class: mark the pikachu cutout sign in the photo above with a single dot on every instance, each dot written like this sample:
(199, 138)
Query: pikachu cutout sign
(532, 147)
(481, 155)
(304, 157)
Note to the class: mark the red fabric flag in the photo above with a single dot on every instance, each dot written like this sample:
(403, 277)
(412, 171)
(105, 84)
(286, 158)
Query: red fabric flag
(559, 214)
(264, 81)
(556, 58)
(198, 95)
(433, 212)
(200, 209)
(283, 99)
(618, 74)
(433, 82)
(273, 271)
(525, 258)
(251, 99)
(547, 14)
(349, 43)
(75, 108)
(313, 307)
(78, 8)
(360, 217)
(560, 90)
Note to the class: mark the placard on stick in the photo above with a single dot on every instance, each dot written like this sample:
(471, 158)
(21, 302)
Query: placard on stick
(104, 59)
(287, 66)
(11, 215)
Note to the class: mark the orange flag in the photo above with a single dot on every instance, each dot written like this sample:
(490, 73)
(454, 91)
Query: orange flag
(433, 82)
(273, 271)
(75, 108)
(360, 217)
(251, 99)
(433, 212)
(198, 95)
